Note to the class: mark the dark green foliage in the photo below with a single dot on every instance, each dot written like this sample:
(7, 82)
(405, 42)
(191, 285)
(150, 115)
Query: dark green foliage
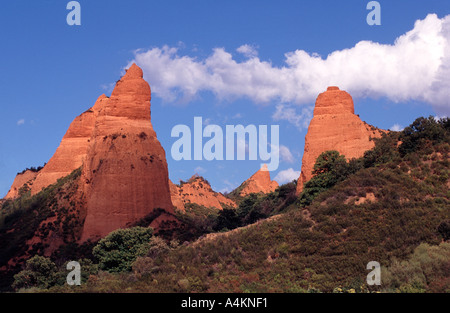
(329, 169)
(424, 131)
(117, 251)
(385, 151)
(32, 169)
(25, 215)
(42, 273)
(226, 220)
(444, 230)
(195, 222)
(427, 269)
(39, 272)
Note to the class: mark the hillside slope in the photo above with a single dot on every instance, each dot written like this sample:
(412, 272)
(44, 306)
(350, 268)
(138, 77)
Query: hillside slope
(396, 200)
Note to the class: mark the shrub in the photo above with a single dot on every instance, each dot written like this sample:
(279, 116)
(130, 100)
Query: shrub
(117, 251)
(427, 269)
(39, 272)
(444, 230)
(422, 131)
(227, 219)
(329, 169)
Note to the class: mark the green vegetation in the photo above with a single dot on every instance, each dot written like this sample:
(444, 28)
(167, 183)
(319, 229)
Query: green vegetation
(391, 206)
(42, 273)
(22, 219)
(329, 169)
(427, 269)
(32, 169)
(117, 251)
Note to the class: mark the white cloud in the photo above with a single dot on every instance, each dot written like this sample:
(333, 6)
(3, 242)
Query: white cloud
(248, 51)
(20, 122)
(286, 154)
(289, 113)
(287, 176)
(396, 127)
(415, 67)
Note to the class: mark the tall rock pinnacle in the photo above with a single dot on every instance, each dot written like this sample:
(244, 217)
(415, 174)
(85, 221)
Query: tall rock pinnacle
(335, 127)
(124, 175)
(125, 170)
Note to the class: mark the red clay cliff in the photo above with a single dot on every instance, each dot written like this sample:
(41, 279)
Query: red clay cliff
(335, 127)
(124, 175)
(198, 191)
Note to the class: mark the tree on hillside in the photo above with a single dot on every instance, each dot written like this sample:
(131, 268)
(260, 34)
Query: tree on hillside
(424, 130)
(39, 272)
(329, 169)
(117, 251)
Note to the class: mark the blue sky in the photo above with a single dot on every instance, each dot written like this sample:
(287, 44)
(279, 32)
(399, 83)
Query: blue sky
(52, 72)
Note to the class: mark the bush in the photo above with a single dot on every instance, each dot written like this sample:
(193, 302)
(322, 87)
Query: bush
(422, 131)
(39, 272)
(329, 169)
(117, 251)
(227, 219)
(428, 269)
(444, 230)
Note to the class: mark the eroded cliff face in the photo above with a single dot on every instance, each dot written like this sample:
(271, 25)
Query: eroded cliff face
(125, 171)
(259, 183)
(198, 191)
(23, 180)
(124, 175)
(72, 150)
(335, 127)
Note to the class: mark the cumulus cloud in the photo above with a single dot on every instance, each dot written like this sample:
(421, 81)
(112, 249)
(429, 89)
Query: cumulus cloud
(248, 51)
(415, 67)
(286, 155)
(287, 176)
(20, 122)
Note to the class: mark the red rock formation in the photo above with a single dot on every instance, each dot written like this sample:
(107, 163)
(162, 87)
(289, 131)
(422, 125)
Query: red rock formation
(125, 170)
(197, 190)
(258, 183)
(72, 150)
(28, 177)
(335, 127)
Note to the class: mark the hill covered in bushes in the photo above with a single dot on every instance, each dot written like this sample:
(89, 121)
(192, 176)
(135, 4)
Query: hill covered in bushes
(391, 206)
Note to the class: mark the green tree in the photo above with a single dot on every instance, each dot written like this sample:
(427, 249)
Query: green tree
(426, 270)
(227, 219)
(424, 130)
(117, 251)
(39, 272)
(385, 150)
(330, 168)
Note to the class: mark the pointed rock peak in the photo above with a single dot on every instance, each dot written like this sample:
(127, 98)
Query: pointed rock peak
(259, 182)
(334, 101)
(131, 96)
(133, 72)
(264, 168)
